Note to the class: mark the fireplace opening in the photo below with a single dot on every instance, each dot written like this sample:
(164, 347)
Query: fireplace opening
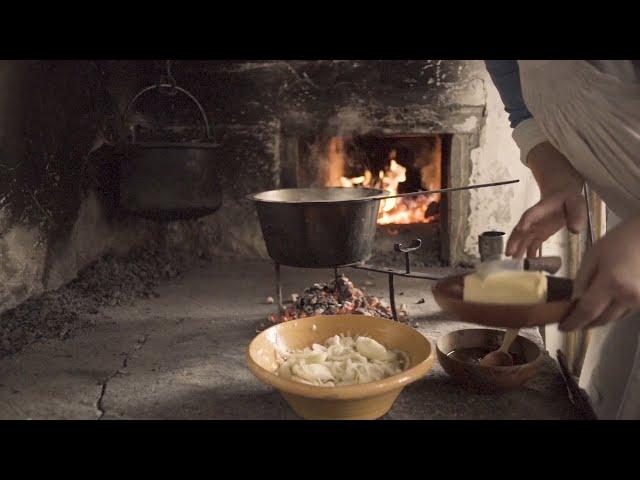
(397, 163)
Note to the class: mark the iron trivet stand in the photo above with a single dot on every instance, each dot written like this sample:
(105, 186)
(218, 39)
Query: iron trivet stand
(390, 272)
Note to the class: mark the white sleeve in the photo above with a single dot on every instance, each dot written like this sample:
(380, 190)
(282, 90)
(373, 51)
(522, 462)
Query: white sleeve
(527, 135)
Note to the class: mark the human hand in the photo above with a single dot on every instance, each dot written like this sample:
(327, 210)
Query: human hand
(561, 202)
(607, 286)
(545, 218)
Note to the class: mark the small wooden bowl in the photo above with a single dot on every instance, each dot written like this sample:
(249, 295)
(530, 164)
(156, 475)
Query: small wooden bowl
(355, 402)
(483, 377)
(448, 295)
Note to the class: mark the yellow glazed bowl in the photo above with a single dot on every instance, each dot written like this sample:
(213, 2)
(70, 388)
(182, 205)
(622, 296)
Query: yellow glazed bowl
(354, 402)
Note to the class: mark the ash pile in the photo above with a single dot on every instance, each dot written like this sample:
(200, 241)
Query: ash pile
(108, 282)
(335, 298)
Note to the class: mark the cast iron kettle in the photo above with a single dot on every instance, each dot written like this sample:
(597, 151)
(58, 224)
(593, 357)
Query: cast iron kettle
(167, 180)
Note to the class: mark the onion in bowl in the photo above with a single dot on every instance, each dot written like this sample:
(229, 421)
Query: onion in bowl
(342, 360)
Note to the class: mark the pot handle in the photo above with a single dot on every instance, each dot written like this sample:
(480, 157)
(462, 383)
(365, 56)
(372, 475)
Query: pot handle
(173, 87)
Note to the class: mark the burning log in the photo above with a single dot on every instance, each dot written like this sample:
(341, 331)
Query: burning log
(432, 210)
(335, 298)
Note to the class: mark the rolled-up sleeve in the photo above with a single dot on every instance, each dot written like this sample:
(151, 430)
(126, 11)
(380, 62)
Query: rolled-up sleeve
(526, 132)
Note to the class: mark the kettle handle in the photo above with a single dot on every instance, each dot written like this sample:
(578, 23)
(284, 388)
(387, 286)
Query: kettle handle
(177, 88)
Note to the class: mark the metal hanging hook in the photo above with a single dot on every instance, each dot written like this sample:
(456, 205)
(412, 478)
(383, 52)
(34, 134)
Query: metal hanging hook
(167, 84)
(169, 68)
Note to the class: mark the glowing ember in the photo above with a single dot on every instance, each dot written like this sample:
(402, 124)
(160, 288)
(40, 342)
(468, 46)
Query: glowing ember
(332, 299)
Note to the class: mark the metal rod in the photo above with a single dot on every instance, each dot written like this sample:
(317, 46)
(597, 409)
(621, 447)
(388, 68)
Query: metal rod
(335, 276)
(401, 273)
(444, 190)
(279, 289)
(585, 336)
(591, 236)
(392, 297)
(578, 397)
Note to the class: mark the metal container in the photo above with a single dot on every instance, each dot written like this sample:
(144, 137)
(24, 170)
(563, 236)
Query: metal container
(170, 181)
(491, 245)
(319, 227)
(327, 226)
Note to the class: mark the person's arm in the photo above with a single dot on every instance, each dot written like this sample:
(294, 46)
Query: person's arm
(506, 78)
(550, 168)
(560, 184)
(606, 286)
(505, 75)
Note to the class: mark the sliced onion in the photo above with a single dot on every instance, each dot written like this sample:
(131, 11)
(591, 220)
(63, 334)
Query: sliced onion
(343, 360)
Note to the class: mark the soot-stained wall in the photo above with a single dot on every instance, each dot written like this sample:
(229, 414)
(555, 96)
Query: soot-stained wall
(53, 215)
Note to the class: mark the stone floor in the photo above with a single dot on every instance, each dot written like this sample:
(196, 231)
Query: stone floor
(181, 356)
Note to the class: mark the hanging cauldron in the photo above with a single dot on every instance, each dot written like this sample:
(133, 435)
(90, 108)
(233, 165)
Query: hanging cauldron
(170, 181)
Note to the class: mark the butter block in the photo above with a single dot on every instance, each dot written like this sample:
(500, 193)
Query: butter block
(506, 288)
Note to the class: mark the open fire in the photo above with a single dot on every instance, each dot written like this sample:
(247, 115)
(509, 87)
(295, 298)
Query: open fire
(397, 165)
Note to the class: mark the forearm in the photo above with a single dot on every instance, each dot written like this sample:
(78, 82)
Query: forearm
(505, 75)
(552, 170)
(506, 78)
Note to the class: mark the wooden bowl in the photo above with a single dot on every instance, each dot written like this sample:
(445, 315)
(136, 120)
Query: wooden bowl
(448, 294)
(483, 377)
(354, 402)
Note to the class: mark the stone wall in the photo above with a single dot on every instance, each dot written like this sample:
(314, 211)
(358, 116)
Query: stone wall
(55, 214)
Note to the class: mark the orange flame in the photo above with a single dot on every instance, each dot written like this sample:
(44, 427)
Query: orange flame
(394, 210)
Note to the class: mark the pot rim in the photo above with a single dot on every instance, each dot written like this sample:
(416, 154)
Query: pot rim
(374, 193)
(181, 145)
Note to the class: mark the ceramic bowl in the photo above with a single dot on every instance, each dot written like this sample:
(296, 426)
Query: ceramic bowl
(354, 402)
(484, 377)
